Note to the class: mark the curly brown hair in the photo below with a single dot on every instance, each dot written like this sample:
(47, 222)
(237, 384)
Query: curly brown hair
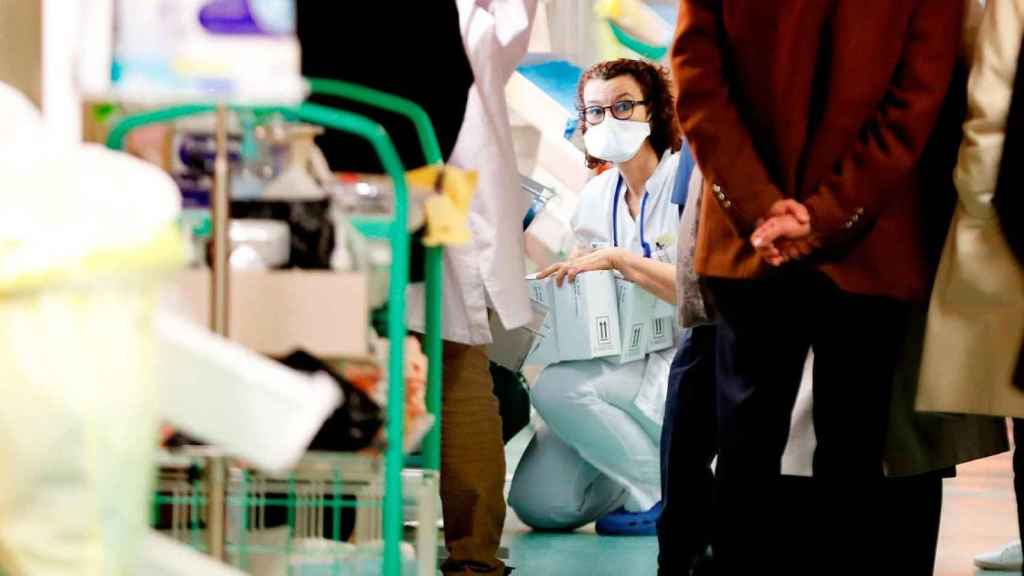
(654, 81)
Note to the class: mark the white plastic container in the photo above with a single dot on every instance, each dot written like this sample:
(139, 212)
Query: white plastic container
(201, 50)
(260, 244)
(246, 404)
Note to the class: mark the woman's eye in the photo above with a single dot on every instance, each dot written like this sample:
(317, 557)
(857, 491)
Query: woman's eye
(624, 107)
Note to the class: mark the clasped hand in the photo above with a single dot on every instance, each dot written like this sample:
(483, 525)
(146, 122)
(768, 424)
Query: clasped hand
(784, 234)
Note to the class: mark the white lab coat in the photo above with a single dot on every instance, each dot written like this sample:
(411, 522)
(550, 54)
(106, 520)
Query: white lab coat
(592, 225)
(489, 271)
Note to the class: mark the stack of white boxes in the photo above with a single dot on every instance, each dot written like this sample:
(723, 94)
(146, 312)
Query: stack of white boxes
(600, 315)
(636, 310)
(664, 328)
(584, 323)
(545, 347)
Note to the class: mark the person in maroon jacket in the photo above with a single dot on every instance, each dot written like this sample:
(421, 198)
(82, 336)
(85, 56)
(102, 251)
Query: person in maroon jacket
(808, 119)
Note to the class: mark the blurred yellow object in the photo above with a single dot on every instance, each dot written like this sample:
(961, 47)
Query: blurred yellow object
(86, 238)
(445, 224)
(609, 9)
(165, 251)
(637, 19)
(79, 429)
(609, 48)
(447, 212)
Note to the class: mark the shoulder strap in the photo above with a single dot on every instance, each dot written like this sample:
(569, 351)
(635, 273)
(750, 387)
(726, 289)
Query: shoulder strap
(683, 172)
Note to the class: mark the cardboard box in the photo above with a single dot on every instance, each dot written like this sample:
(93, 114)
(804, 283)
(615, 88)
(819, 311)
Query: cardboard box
(586, 317)
(544, 350)
(510, 348)
(278, 311)
(664, 326)
(636, 307)
(662, 334)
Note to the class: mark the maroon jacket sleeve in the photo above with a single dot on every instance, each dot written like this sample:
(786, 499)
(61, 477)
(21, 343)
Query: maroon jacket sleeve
(717, 134)
(890, 144)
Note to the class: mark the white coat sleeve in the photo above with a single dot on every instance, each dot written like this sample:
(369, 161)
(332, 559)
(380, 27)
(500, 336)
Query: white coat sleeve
(512, 27)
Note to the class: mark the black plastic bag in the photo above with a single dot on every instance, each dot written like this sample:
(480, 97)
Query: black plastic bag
(513, 400)
(355, 424)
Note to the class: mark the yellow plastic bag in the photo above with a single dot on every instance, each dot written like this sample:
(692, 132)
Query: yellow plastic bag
(78, 424)
(86, 236)
(447, 212)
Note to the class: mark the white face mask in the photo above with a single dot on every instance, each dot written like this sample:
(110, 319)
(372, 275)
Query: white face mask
(616, 140)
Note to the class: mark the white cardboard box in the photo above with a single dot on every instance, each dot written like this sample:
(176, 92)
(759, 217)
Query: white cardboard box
(510, 348)
(545, 348)
(664, 327)
(636, 309)
(662, 334)
(586, 317)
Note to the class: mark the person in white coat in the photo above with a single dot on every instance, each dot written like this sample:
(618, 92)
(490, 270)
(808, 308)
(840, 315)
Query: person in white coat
(598, 456)
(481, 278)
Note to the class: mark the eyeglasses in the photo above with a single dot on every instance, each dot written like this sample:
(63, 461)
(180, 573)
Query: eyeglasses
(621, 110)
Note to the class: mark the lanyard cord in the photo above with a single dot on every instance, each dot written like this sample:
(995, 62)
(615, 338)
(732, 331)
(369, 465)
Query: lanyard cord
(615, 218)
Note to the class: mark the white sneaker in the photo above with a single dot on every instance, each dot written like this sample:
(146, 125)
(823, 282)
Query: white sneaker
(1009, 558)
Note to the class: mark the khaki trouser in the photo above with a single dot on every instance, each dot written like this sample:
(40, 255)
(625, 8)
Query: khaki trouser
(472, 463)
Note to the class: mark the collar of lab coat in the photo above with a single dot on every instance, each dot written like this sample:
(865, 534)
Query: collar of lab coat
(661, 180)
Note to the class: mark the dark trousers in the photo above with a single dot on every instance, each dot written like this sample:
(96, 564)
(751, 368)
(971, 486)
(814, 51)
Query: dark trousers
(767, 328)
(688, 445)
(909, 525)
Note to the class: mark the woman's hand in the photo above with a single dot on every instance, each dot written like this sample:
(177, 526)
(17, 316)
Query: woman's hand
(602, 259)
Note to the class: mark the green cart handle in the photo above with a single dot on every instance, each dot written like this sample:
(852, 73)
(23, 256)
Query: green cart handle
(434, 265)
(385, 101)
(399, 235)
(649, 51)
(120, 131)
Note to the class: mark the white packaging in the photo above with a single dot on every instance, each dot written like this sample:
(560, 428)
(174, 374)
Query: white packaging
(544, 350)
(201, 50)
(663, 327)
(586, 317)
(510, 348)
(662, 334)
(260, 244)
(227, 395)
(636, 309)
(549, 238)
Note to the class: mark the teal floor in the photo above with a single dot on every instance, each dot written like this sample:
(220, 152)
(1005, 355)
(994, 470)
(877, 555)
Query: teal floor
(581, 553)
(978, 515)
